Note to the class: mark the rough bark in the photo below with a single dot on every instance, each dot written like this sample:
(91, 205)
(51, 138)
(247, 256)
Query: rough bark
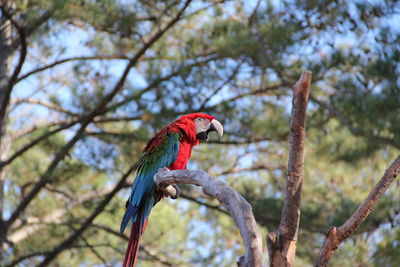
(239, 209)
(282, 244)
(336, 235)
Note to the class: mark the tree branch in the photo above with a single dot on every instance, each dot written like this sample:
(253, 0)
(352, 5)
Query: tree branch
(34, 142)
(219, 88)
(44, 104)
(239, 209)
(61, 61)
(249, 140)
(282, 245)
(55, 216)
(337, 235)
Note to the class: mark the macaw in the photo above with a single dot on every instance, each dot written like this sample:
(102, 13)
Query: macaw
(170, 148)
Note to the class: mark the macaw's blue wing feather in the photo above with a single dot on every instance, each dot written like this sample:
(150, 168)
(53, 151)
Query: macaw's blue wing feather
(161, 152)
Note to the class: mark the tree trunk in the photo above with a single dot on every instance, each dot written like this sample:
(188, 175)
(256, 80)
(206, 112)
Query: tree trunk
(5, 61)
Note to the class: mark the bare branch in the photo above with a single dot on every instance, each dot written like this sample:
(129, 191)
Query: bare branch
(337, 235)
(44, 104)
(189, 197)
(61, 61)
(32, 128)
(282, 245)
(249, 140)
(239, 209)
(259, 91)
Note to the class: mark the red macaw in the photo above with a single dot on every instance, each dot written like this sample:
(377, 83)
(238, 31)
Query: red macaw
(171, 148)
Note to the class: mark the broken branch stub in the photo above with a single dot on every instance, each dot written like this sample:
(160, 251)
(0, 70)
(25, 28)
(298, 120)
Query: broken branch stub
(282, 243)
(239, 209)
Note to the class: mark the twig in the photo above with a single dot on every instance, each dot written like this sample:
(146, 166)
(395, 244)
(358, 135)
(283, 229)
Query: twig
(249, 140)
(337, 235)
(44, 104)
(239, 209)
(55, 216)
(34, 142)
(61, 61)
(219, 88)
(153, 255)
(189, 197)
(282, 244)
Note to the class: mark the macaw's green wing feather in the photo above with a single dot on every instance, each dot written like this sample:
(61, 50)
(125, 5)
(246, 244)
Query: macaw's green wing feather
(160, 152)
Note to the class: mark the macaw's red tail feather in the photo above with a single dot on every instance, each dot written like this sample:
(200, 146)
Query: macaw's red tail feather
(133, 245)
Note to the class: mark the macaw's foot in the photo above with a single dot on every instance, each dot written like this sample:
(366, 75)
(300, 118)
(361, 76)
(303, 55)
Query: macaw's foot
(171, 191)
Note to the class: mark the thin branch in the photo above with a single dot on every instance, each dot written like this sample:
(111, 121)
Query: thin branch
(282, 245)
(94, 251)
(252, 17)
(336, 235)
(34, 142)
(61, 61)
(146, 250)
(158, 81)
(55, 216)
(250, 169)
(44, 253)
(260, 91)
(239, 209)
(228, 80)
(110, 230)
(47, 124)
(249, 140)
(44, 104)
(28, 130)
(189, 197)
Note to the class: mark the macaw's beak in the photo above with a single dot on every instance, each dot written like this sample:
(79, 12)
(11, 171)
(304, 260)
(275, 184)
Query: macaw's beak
(214, 126)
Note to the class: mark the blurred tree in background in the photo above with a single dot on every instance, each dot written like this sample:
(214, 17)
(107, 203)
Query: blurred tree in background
(84, 84)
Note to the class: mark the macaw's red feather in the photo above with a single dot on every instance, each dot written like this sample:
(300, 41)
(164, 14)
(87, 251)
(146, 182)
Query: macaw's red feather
(187, 129)
(133, 246)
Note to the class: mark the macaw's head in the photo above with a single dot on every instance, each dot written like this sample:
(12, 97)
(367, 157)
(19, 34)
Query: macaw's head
(204, 124)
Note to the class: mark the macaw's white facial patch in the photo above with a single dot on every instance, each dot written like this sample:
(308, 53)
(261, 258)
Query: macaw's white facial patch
(202, 125)
(205, 126)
